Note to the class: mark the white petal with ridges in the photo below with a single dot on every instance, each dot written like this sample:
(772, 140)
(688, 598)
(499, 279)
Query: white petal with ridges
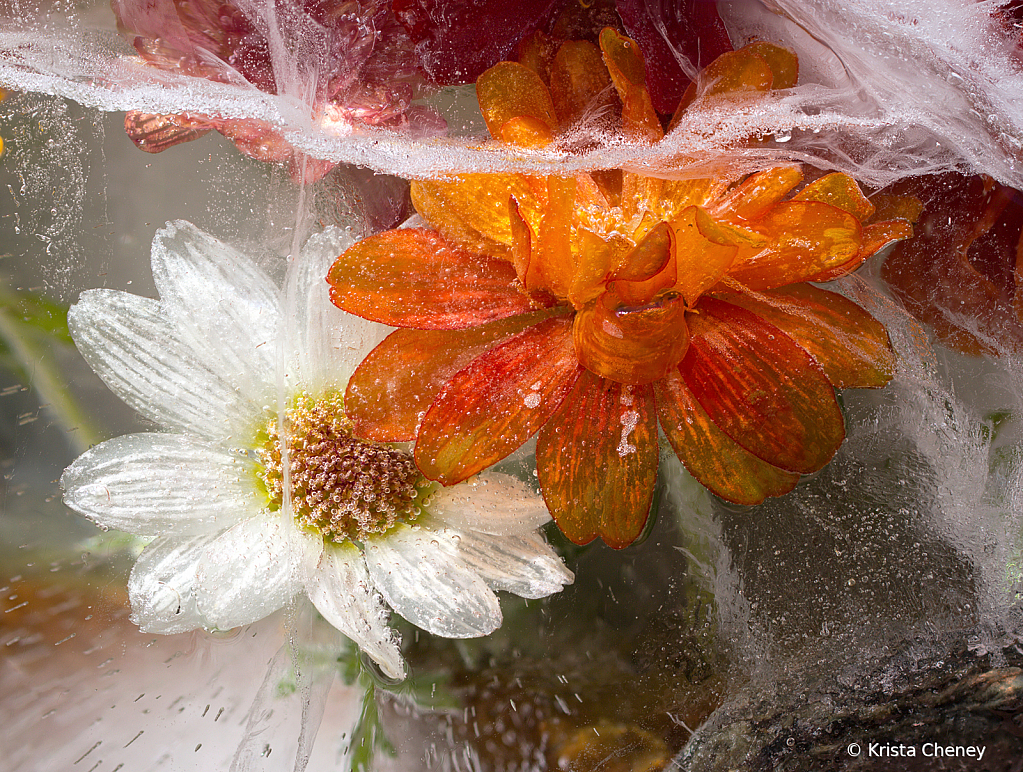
(139, 353)
(325, 344)
(341, 590)
(522, 564)
(490, 502)
(152, 484)
(229, 307)
(252, 570)
(423, 577)
(162, 583)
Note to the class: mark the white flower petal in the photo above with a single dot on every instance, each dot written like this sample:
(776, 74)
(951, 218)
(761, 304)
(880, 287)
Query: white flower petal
(142, 357)
(490, 502)
(326, 344)
(522, 564)
(423, 577)
(341, 590)
(229, 306)
(161, 586)
(252, 570)
(151, 484)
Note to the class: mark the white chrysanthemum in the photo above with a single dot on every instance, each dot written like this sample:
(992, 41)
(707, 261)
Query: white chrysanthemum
(240, 526)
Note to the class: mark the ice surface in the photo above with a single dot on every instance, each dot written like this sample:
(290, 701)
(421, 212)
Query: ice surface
(888, 89)
(921, 511)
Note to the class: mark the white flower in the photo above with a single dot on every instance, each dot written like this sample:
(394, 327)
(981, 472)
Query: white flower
(211, 362)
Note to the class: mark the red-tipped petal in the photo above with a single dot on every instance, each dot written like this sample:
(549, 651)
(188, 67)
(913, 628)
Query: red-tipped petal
(414, 278)
(761, 388)
(597, 461)
(491, 407)
(709, 454)
(394, 386)
(849, 344)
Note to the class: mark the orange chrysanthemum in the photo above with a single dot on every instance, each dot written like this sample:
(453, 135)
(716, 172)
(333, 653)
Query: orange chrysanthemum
(590, 312)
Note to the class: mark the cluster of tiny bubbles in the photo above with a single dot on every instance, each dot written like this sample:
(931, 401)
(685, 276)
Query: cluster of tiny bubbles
(342, 487)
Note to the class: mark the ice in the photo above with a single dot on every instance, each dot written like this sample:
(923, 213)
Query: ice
(908, 545)
(888, 89)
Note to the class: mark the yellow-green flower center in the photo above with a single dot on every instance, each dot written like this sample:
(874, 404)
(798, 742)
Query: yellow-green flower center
(342, 487)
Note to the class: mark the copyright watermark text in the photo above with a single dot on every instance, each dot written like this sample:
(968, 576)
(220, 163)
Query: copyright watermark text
(926, 750)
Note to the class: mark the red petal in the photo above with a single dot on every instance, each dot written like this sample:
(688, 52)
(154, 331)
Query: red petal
(597, 461)
(710, 455)
(760, 388)
(458, 41)
(491, 407)
(694, 29)
(394, 386)
(414, 278)
(849, 344)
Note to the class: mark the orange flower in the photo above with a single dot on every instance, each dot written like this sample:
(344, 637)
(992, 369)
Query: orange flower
(592, 312)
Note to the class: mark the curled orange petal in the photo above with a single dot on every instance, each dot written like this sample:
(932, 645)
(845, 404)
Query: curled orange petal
(628, 73)
(631, 344)
(471, 210)
(806, 238)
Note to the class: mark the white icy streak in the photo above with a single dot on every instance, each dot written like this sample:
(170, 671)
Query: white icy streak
(950, 98)
(976, 495)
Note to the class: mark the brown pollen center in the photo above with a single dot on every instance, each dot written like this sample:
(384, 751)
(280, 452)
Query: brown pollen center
(343, 487)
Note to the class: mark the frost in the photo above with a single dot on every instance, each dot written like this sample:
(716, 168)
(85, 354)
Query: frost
(888, 89)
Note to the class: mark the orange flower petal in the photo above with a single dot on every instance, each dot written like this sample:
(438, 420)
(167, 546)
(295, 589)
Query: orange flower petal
(761, 388)
(734, 72)
(526, 131)
(489, 408)
(838, 190)
(701, 262)
(554, 246)
(710, 455)
(648, 257)
(849, 344)
(472, 210)
(596, 258)
(509, 90)
(757, 193)
(677, 195)
(597, 461)
(631, 344)
(394, 386)
(628, 73)
(876, 237)
(783, 63)
(579, 82)
(414, 278)
(807, 237)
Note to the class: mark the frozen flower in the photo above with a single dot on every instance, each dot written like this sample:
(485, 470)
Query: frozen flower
(592, 309)
(240, 522)
(456, 42)
(350, 61)
(961, 275)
